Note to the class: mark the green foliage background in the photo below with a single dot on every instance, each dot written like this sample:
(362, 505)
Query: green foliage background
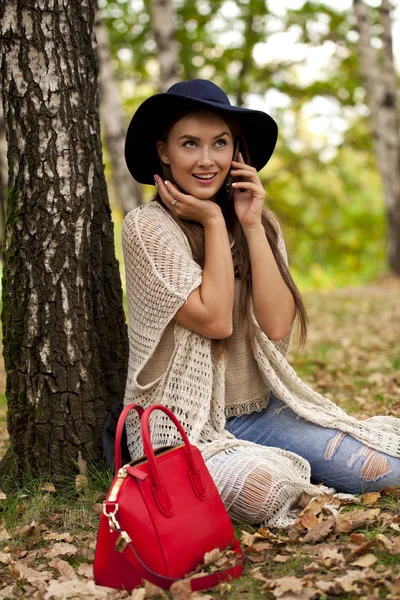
(326, 193)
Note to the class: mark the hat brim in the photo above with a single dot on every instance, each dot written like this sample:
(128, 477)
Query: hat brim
(258, 128)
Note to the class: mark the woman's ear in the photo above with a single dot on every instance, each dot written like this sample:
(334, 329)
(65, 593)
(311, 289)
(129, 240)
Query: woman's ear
(162, 152)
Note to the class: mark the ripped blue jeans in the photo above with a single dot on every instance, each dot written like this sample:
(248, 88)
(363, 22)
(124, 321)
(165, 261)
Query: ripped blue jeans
(337, 459)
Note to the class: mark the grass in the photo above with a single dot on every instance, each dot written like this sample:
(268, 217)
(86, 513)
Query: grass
(351, 357)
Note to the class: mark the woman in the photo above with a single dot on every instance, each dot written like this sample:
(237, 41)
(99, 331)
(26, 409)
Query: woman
(211, 313)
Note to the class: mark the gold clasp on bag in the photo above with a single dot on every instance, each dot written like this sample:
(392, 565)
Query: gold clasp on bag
(112, 521)
(122, 541)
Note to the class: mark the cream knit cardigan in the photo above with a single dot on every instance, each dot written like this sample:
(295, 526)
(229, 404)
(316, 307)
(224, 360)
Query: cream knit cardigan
(257, 484)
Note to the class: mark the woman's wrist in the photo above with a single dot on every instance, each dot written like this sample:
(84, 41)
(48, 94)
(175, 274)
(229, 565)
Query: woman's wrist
(253, 230)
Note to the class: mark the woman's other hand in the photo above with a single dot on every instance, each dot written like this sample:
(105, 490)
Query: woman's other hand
(249, 194)
(185, 206)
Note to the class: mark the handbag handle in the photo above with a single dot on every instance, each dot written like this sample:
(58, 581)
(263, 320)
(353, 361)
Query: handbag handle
(120, 427)
(161, 496)
(197, 584)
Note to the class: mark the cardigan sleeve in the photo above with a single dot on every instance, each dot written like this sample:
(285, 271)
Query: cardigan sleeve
(160, 275)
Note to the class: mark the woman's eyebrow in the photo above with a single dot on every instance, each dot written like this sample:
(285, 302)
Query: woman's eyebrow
(193, 137)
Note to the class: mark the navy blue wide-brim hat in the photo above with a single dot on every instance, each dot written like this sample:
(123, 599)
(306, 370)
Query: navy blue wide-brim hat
(258, 128)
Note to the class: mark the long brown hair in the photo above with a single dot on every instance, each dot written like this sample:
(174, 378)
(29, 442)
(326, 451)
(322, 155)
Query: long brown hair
(195, 235)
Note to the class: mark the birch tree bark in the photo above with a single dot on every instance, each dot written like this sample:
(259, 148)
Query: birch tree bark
(64, 331)
(128, 192)
(3, 176)
(163, 24)
(381, 89)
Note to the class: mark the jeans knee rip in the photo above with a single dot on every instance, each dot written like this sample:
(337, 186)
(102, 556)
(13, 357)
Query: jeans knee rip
(333, 445)
(375, 465)
(279, 409)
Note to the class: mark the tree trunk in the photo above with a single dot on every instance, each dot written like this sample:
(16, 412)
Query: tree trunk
(64, 331)
(163, 24)
(381, 86)
(128, 192)
(3, 177)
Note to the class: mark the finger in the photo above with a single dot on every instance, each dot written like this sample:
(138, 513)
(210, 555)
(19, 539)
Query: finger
(240, 157)
(165, 194)
(243, 173)
(247, 185)
(242, 165)
(175, 193)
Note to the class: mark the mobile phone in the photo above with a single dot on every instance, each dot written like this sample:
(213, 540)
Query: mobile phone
(230, 179)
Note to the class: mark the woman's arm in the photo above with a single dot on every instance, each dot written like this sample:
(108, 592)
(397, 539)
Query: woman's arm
(209, 308)
(272, 300)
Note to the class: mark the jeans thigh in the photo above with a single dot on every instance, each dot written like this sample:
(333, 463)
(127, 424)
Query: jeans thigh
(336, 459)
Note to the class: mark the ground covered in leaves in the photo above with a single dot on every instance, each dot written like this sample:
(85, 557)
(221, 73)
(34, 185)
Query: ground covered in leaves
(341, 547)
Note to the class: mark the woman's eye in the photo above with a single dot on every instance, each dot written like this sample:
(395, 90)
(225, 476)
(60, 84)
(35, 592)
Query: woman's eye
(220, 143)
(189, 144)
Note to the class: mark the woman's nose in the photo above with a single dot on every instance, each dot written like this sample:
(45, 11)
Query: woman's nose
(205, 158)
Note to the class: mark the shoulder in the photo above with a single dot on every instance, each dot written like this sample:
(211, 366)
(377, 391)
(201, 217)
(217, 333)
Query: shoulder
(153, 226)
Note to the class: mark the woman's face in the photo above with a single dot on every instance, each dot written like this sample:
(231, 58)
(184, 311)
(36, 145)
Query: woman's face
(199, 150)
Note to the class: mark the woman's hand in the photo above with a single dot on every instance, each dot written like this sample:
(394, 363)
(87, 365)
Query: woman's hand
(250, 202)
(185, 206)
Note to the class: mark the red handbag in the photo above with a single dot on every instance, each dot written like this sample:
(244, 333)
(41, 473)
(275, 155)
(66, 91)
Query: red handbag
(161, 515)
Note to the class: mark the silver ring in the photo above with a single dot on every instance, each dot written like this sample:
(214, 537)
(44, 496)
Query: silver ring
(174, 201)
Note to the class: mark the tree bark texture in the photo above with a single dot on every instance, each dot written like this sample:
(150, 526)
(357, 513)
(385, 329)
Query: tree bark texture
(3, 176)
(64, 331)
(128, 192)
(381, 89)
(163, 24)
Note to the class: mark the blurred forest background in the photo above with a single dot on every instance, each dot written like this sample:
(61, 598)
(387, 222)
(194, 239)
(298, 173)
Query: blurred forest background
(298, 60)
(301, 62)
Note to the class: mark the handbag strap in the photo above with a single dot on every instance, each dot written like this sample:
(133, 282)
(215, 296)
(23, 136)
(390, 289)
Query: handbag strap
(120, 427)
(162, 496)
(196, 583)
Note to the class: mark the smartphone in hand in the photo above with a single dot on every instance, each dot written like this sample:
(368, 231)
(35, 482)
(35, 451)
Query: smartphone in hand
(230, 179)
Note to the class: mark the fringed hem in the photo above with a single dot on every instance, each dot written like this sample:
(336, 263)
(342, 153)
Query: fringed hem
(257, 405)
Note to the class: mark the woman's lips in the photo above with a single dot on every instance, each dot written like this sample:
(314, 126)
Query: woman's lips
(204, 181)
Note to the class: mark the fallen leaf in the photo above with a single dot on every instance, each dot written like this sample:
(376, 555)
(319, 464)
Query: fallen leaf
(4, 535)
(60, 537)
(212, 556)
(366, 560)
(7, 593)
(61, 549)
(153, 591)
(81, 482)
(330, 556)
(85, 570)
(346, 582)
(371, 498)
(286, 584)
(76, 588)
(247, 539)
(138, 594)
(316, 505)
(63, 568)
(281, 558)
(5, 558)
(320, 531)
(82, 466)
(181, 590)
(48, 487)
(357, 538)
(343, 523)
(309, 521)
(21, 571)
(2, 495)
